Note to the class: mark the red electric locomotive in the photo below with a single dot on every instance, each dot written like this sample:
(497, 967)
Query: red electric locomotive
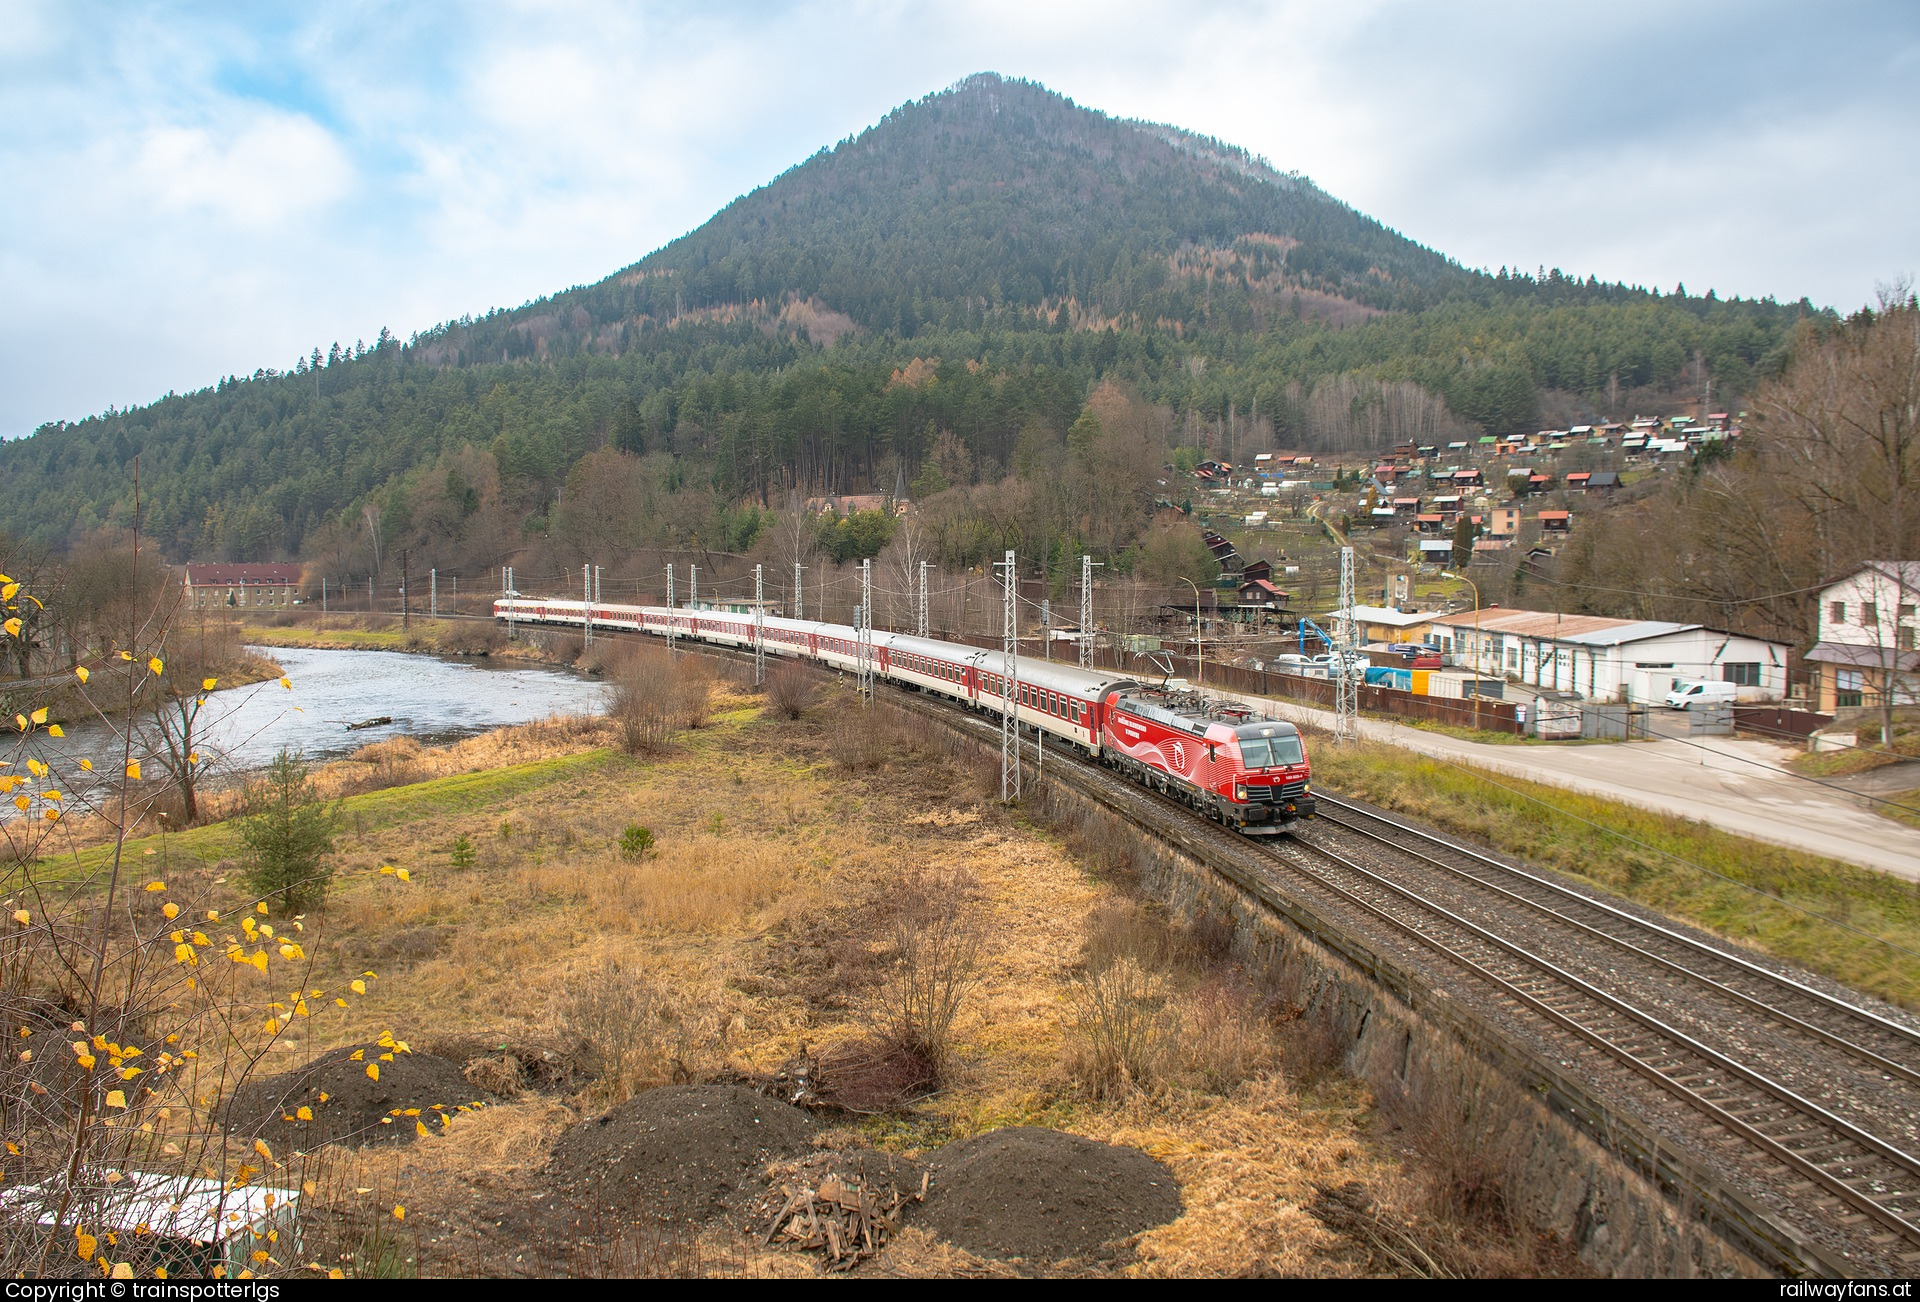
(1238, 767)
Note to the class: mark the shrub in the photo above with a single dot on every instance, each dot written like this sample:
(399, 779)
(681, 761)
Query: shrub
(1124, 1029)
(789, 690)
(288, 832)
(936, 943)
(636, 842)
(655, 693)
(462, 853)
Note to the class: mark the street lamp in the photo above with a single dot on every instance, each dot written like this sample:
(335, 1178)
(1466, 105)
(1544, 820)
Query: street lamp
(1199, 647)
(1476, 642)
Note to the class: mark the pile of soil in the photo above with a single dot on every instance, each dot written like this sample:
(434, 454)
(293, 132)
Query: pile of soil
(1041, 1195)
(413, 1089)
(680, 1152)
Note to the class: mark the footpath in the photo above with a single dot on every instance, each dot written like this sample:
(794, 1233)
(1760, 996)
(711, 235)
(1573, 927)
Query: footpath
(1739, 785)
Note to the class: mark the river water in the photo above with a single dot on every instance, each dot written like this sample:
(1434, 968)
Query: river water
(430, 699)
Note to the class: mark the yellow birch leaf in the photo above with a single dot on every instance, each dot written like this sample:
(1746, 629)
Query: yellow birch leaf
(402, 874)
(22, 917)
(260, 907)
(421, 1129)
(358, 1055)
(87, 764)
(84, 1245)
(259, 960)
(305, 1114)
(156, 886)
(373, 1071)
(386, 1040)
(386, 1057)
(13, 626)
(20, 720)
(206, 684)
(21, 803)
(40, 715)
(81, 673)
(386, 870)
(341, 1002)
(159, 1272)
(126, 655)
(325, 1096)
(358, 987)
(260, 1147)
(184, 954)
(287, 683)
(115, 1099)
(154, 663)
(170, 910)
(133, 770)
(86, 1061)
(55, 730)
(54, 796)
(399, 1213)
(6, 593)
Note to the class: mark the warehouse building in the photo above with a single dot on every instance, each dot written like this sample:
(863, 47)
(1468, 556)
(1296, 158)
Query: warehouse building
(1609, 659)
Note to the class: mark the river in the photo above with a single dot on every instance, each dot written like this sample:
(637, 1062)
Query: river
(429, 698)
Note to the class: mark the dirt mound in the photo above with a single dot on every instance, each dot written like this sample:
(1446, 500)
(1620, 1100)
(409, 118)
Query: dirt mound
(680, 1152)
(509, 1067)
(1042, 1195)
(346, 1106)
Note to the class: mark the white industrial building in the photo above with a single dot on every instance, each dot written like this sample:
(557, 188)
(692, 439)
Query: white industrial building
(1609, 659)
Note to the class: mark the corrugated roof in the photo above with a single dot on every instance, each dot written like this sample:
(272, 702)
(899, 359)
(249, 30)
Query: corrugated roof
(1863, 657)
(1594, 630)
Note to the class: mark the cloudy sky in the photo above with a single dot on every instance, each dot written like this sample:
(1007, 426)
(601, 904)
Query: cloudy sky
(197, 189)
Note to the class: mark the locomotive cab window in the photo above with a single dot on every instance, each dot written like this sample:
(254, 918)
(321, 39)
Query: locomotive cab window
(1269, 752)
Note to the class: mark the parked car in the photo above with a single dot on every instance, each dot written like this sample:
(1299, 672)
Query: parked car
(1687, 693)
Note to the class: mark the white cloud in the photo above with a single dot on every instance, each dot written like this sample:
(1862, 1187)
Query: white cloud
(195, 190)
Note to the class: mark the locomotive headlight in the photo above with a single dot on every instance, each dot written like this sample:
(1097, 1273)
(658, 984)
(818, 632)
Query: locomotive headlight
(1305, 787)
(1240, 794)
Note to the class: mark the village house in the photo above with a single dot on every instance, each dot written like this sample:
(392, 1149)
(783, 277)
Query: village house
(1865, 638)
(268, 585)
(1609, 659)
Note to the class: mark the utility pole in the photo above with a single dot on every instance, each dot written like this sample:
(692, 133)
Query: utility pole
(506, 591)
(799, 592)
(693, 587)
(586, 606)
(369, 594)
(453, 598)
(323, 601)
(1346, 693)
(1046, 627)
(759, 628)
(672, 617)
(406, 606)
(1086, 610)
(596, 585)
(1009, 678)
(921, 623)
(866, 632)
(433, 592)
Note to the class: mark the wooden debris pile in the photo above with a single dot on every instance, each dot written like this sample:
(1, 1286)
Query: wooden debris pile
(845, 1218)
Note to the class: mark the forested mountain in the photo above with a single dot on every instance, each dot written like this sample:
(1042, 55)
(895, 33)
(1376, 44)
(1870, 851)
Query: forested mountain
(932, 302)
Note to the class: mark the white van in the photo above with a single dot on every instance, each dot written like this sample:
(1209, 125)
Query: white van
(1686, 694)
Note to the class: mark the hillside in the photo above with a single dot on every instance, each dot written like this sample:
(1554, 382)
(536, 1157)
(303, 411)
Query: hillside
(1021, 247)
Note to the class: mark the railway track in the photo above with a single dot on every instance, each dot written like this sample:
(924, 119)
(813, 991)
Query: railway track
(1691, 1035)
(1785, 1102)
(1838, 1167)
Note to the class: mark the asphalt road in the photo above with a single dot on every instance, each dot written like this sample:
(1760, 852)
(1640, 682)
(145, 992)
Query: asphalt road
(1732, 783)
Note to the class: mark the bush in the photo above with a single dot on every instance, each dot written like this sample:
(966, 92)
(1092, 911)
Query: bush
(654, 693)
(636, 842)
(287, 833)
(462, 853)
(936, 943)
(789, 689)
(1124, 1030)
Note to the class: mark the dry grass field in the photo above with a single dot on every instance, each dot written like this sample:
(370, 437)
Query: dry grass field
(577, 925)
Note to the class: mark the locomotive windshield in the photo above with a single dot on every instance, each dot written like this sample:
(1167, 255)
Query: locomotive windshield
(1270, 752)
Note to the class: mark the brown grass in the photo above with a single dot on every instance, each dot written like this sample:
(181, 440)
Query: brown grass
(767, 919)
